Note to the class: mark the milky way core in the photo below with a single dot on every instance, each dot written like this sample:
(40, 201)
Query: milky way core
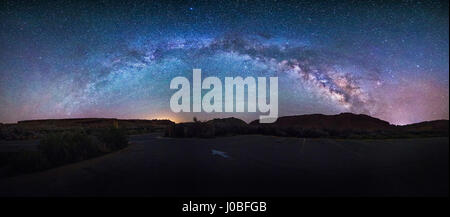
(71, 59)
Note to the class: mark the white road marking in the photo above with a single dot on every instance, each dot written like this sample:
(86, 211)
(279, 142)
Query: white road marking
(220, 153)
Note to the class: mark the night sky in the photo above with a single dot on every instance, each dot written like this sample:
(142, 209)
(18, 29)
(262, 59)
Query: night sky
(71, 59)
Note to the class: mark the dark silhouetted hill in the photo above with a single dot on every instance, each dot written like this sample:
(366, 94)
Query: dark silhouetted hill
(211, 128)
(229, 126)
(344, 125)
(343, 121)
(94, 122)
(428, 125)
(33, 129)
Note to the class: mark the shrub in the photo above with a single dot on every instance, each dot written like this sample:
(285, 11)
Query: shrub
(113, 138)
(62, 148)
(55, 148)
(69, 147)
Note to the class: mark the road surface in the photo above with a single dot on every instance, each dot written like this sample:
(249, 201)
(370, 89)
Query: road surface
(249, 165)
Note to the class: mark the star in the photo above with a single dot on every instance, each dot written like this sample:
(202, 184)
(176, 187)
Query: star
(117, 59)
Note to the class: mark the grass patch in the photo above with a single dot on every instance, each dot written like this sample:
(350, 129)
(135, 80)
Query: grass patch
(68, 147)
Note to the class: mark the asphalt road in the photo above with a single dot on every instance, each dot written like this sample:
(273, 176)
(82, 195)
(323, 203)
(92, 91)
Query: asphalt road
(249, 165)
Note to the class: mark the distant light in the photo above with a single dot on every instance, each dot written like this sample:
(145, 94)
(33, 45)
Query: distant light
(191, 9)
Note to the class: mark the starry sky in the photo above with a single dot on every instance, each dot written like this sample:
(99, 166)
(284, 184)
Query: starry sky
(72, 59)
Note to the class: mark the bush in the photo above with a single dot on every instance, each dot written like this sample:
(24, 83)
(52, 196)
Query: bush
(76, 146)
(113, 138)
(62, 148)
(69, 147)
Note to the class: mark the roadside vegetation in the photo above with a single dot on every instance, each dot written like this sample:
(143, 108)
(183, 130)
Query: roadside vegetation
(58, 149)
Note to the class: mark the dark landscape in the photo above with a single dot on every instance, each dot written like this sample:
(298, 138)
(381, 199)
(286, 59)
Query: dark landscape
(306, 155)
(224, 107)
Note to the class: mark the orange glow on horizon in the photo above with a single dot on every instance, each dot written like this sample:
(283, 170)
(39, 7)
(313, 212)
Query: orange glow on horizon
(164, 117)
